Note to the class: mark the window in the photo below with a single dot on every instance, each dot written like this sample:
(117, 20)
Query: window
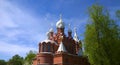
(49, 47)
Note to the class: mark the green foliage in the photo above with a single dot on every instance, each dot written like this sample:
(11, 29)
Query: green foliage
(3, 62)
(102, 38)
(29, 58)
(16, 60)
(118, 13)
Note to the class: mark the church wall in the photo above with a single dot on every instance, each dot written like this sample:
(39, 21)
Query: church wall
(58, 59)
(44, 58)
(34, 62)
(68, 59)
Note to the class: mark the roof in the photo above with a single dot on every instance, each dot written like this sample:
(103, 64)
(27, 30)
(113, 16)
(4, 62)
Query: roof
(61, 48)
(49, 41)
(76, 36)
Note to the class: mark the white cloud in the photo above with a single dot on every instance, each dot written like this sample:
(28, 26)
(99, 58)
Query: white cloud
(20, 31)
(12, 49)
(16, 22)
(8, 50)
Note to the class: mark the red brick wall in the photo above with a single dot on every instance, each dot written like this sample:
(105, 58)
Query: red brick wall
(43, 58)
(68, 59)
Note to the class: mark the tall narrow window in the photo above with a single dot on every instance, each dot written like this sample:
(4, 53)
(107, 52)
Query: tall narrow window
(44, 46)
(49, 47)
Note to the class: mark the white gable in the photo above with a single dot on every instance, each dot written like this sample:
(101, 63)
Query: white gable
(61, 48)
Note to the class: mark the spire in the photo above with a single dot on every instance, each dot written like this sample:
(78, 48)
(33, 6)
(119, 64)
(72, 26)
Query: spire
(61, 48)
(60, 23)
(75, 35)
(69, 29)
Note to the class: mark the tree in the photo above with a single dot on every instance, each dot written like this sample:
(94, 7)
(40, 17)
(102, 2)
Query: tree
(3, 62)
(16, 60)
(30, 56)
(102, 38)
(118, 13)
(118, 19)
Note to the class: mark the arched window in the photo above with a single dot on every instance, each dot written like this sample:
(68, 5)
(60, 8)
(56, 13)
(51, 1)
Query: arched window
(49, 47)
(40, 47)
(43, 47)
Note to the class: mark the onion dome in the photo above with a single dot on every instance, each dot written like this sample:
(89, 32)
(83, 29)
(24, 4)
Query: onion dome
(75, 35)
(51, 30)
(69, 29)
(48, 33)
(61, 48)
(60, 23)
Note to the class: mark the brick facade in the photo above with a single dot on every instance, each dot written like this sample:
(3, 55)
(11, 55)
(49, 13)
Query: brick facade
(50, 55)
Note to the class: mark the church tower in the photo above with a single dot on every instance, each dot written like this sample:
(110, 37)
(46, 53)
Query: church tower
(59, 49)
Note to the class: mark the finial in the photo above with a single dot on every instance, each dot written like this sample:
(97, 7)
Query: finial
(69, 25)
(75, 29)
(60, 16)
(69, 30)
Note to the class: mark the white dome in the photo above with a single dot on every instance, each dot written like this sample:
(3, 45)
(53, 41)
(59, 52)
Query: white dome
(51, 30)
(60, 24)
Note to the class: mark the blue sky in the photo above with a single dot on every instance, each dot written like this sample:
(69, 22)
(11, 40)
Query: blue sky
(24, 23)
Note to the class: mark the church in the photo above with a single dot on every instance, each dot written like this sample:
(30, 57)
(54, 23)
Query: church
(60, 49)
